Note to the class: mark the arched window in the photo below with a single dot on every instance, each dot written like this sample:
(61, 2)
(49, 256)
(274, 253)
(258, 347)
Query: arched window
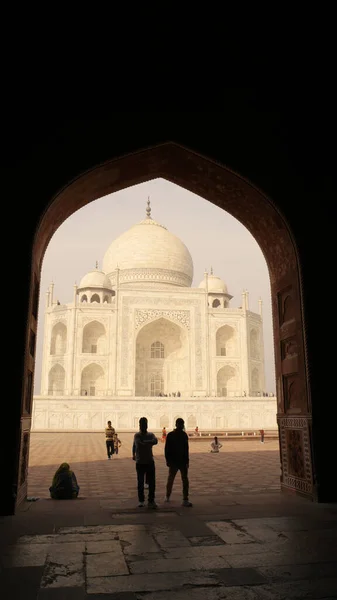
(156, 384)
(95, 298)
(157, 350)
(106, 300)
(216, 303)
(84, 298)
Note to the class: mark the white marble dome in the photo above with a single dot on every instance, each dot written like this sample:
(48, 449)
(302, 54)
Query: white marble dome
(95, 279)
(215, 285)
(149, 254)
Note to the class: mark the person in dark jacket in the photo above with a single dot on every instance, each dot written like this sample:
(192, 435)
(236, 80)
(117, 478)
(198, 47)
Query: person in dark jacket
(177, 459)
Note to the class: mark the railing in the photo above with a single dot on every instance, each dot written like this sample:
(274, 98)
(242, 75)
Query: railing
(247, 433)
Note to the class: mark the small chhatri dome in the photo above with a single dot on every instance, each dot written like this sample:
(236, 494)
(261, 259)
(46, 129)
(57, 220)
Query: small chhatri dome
(149, 254)
(215, 284)
(95, 279)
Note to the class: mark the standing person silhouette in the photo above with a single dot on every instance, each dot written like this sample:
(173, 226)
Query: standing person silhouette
(143, 442)
(177, 459)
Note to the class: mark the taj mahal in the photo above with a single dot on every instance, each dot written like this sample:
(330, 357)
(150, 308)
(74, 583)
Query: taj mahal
(137, 340)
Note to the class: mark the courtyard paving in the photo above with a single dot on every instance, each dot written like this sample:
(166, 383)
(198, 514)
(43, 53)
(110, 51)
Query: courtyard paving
(240, 467)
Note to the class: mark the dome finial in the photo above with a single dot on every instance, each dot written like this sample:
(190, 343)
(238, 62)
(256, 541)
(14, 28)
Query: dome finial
(211, 270)
(96, 264)
(148, 209)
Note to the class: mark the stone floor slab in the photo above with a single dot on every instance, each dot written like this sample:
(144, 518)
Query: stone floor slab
(166, 565)
(63, 570)
(148, 582)
(230, 533)
(59, 550)
(237, 577)
(172, 539)
(139, 542)
(107, 564)
(101, 546)
(208, 540)
(25, 555)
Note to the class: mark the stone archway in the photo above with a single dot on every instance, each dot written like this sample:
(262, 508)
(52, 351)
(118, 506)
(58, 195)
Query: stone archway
(257, 213)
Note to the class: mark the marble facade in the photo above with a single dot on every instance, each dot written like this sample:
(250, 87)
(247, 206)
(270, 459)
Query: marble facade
(137, 331)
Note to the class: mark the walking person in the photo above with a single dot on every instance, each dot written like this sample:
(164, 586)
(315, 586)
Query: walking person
(215, 445)
(262, 436)
(109, 440)
(143, 442)
(177, 459)
(163, 435)
(117, 443)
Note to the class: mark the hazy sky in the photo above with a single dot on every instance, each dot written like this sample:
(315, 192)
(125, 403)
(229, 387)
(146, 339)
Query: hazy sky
(213, 237)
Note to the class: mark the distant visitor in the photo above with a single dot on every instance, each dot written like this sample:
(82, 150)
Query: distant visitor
(109, 440)
(215, 445)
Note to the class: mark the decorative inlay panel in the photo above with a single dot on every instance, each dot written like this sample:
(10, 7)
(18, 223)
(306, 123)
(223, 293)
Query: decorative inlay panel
(295, 451)
(182, 317)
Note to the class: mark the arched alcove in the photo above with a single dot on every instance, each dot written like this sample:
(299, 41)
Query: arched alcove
(226, 381)
(226, 341)
(58, 341)
(162, 353)
(56, 381)
(94, 338)
(93, 380)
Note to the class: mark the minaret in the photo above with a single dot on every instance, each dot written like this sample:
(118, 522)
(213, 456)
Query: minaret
(75, 293)
(148, 209)
(52, 293)
(244, 301)
(260, 307)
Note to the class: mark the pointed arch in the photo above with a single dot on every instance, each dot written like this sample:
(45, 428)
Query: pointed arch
(94, 338)
(93, 380)
(226, 341)
(56, 380)
(226, 381)
(58, 340)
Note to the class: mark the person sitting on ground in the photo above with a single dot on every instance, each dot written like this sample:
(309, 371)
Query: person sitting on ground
(64, 485)
(215, 445)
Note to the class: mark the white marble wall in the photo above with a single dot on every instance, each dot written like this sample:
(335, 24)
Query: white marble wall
(75, 414)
